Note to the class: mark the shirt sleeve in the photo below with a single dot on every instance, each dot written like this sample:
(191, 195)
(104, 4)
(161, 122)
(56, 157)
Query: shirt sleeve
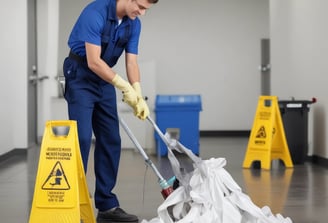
(132, 45)
(89, 26)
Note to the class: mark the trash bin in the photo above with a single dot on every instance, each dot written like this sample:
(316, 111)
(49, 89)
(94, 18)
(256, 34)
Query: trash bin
(178, 115)
(294, 114)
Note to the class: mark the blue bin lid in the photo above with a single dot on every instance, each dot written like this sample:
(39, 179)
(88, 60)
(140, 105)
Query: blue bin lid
(178, 101)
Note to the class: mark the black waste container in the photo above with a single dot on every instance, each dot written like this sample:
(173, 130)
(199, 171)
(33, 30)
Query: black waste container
(294, 115)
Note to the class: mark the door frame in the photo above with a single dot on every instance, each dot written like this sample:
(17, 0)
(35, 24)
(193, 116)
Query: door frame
(32, 71)
(265, 67)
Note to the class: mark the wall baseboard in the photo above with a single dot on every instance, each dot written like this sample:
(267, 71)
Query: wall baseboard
(225, 133)
(12, 153)
(319, 161)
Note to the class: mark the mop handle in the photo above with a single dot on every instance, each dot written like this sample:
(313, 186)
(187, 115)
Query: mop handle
(133, 138)
(140, 149)
(159, 132)
(171, 147)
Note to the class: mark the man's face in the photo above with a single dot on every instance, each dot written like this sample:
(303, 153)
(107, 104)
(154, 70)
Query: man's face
(137, 8)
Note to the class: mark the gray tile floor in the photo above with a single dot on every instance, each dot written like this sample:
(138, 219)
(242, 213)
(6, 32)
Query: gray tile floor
(300, 193)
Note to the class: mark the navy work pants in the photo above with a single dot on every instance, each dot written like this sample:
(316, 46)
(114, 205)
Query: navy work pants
(92, 103)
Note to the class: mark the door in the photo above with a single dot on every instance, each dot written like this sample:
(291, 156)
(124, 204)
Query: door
(265, 67)
(32, 73)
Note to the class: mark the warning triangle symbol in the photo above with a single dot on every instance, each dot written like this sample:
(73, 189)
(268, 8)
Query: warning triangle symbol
(57, 179)
(261, 133)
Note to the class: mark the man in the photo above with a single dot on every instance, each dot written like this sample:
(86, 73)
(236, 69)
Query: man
(102, 32)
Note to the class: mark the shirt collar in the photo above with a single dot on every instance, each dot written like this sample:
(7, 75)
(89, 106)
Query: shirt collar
(112, 16)
(112, 10)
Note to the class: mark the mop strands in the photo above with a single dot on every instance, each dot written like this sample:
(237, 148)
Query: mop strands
(208, 194)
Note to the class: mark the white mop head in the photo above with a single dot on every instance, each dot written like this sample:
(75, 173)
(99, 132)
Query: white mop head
(209, 195)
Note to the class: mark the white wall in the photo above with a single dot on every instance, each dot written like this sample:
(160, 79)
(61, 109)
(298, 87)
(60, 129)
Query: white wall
(13, 84)
(206, 47)
(212, 48)
(299, 60)
(209, 47)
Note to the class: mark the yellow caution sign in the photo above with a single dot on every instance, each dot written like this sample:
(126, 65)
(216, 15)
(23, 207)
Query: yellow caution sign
(61, 192)
(267, 140)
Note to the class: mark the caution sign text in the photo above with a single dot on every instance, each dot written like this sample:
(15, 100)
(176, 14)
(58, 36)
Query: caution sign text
(55, 153)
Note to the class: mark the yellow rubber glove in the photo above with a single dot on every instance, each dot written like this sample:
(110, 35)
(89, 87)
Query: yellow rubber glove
(129, 94)
(136, 86)
(141, 110)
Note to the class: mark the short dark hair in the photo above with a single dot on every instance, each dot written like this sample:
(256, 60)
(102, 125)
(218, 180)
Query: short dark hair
(152, 1)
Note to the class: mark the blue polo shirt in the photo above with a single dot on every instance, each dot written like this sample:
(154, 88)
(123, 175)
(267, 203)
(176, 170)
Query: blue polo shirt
(90, 25)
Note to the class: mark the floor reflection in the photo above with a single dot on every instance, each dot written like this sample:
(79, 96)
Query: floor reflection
(300, 193)
(268, 187)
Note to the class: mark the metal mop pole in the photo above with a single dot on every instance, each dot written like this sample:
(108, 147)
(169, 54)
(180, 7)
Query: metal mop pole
(159, 132)
(166, 188)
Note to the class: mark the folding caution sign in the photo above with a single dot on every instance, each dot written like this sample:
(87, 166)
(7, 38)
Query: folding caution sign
(61, 193)
(267, 140)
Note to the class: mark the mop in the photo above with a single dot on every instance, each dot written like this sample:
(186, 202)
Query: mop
(166, 186)
(207, 194)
